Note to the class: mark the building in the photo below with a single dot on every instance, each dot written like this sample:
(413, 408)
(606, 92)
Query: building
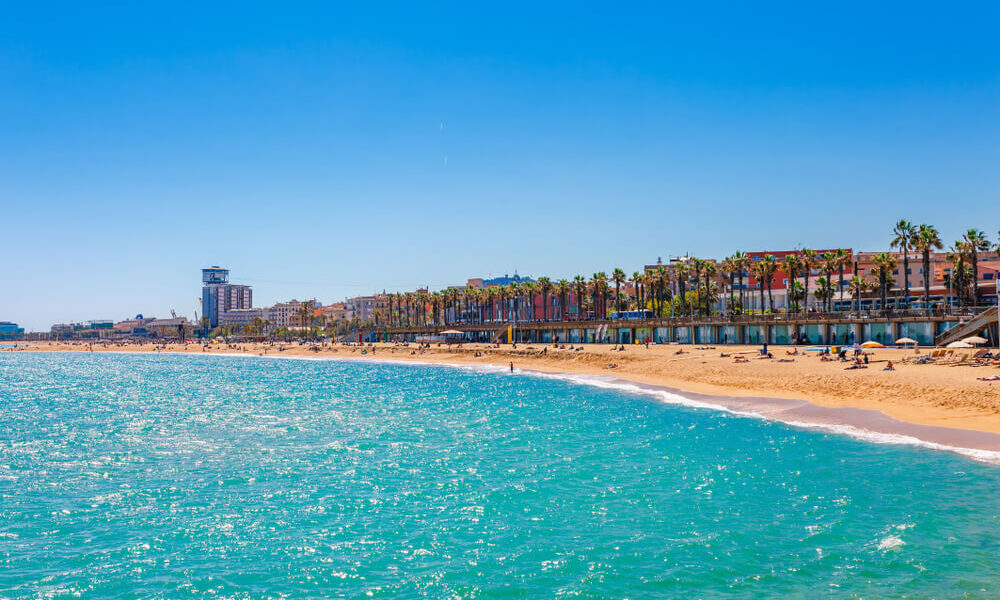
(242, 317)
(219, 296)
(9, 330)
(289, 314)
(338, 311)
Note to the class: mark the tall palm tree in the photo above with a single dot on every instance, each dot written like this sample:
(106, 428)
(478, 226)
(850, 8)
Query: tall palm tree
(727, 271)
(959, 256)
(758, 270)
(976, 242)
(828, 264)
(769, 266)
(637, 280)
(905, 235)
(709, 270)
(600, 287)
(619, 277)
(791, 264)
(858, 286)
(741, 261)
(884, 264)
(545, 286)
(580, 287)
(808, 264)
(842, 260)
(562, 289)
(681, 274)
(926, 241)
(824, 290)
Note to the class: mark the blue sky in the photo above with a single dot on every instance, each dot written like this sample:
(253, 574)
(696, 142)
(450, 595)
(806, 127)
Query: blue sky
(327, 151)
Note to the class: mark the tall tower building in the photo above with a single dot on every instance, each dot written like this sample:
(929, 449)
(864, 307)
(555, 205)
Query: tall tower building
(219, 296)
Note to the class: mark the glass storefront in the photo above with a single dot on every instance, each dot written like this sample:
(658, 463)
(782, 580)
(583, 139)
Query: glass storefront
(923, 333)
(755, 334)
(780, 334)
(879, 332)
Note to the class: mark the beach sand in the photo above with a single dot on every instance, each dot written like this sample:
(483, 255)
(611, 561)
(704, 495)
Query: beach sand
(937, 395)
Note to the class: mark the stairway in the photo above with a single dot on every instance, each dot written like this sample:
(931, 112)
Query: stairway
(973, 326)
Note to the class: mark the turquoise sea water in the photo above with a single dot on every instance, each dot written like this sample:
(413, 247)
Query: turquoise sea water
(152, 476)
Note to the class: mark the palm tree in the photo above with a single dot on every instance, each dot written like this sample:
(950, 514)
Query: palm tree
(580, 287)
(791, 264)
(709, 270)
(828, 264)
(906, 234)
(824, 291)
(545, 286)
(884, 263)
(681, 273)
(562, 288)
(741, 262)
(795, 292)
(619, 277)
(600, 287)
(842, 260)
(926, 241)
(858, 286)
(727, 271)
(757, 269)
(976, 242)
(768, 269)
(961, 272)
(808, 264)
(637, 280)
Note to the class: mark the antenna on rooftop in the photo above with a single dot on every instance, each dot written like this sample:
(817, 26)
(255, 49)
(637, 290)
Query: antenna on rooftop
(173, 313)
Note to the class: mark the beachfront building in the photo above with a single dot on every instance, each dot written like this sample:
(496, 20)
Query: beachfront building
(10, 330)
(338, 311)
(97, 328)
(289, 314)
(781, 283)
(241, 317)
(219, 296)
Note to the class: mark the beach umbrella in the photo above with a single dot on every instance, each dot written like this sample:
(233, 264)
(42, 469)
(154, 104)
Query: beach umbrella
(872, 344)
(975, 340)
(906, 341)
(959, 344)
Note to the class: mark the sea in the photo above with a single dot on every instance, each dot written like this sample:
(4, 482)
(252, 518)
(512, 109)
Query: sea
(172, 476)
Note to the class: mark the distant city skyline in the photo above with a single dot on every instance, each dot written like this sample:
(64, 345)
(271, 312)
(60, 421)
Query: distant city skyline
(334, 151)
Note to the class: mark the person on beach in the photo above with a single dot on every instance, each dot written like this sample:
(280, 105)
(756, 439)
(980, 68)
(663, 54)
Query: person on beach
(511, 366)
(889, 367)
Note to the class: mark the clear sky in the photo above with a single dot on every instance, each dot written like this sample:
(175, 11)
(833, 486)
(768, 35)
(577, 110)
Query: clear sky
(332, 150)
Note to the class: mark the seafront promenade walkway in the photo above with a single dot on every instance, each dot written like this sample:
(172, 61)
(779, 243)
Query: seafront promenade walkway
(778, 328)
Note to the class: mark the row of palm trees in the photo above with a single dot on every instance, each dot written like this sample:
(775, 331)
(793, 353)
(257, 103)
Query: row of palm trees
(692, 286)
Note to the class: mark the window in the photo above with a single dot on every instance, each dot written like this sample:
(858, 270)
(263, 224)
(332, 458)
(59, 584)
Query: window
(895, 271)
(909, 271)
(988, 276)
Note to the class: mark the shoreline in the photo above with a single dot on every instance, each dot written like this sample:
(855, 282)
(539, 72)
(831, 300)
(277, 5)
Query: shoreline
(855, 417)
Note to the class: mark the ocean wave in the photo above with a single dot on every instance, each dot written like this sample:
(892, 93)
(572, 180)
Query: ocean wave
(667, 397)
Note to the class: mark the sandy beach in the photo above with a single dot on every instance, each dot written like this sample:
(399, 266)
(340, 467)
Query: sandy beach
(937, 395)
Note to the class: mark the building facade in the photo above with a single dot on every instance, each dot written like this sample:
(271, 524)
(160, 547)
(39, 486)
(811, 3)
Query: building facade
(219, 296)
